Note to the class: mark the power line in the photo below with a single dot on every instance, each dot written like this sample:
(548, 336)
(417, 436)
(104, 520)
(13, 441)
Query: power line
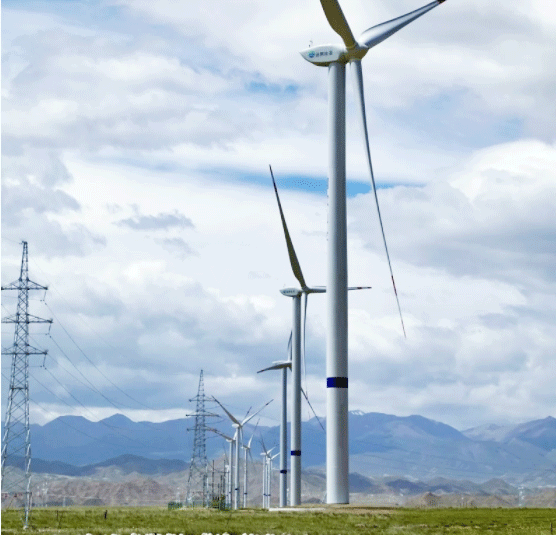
(81, 350)
(64, 422)
(94, 365)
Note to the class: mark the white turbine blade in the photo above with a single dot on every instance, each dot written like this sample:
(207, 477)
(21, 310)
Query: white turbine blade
(277, 366)
(251, 439)
(316, 290)
(290, 347)
(359, 287)
(375, 35)
(255, 414)
(338, 22)
(219, 433)
(263, 446)
(360, 98)
(296, 268)
(230, 415)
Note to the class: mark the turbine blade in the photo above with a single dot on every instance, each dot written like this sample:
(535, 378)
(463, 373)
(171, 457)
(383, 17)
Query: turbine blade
(360, 98)
(219, 433)
(290, 347)
(277, 366)
(255, 413)
(309, 403)
(338, 22)
(251, 439)
(296, 268)
(359, 287)
(322, 289)
(376, 34)
(230, 415)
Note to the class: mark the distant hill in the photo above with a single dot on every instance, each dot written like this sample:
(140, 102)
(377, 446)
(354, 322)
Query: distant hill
(539, 433)
(126, 464)
(381, 445)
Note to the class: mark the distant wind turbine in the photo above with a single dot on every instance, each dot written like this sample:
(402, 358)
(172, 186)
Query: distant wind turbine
(283, 365)
(238, 441)
(335, 58)
(247, 449)
(298, 350)
(267, 460)
(231, 441)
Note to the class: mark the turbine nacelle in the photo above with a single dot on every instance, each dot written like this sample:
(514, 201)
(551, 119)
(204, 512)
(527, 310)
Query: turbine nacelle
(291, 292)
(296, 292)
(324, 55)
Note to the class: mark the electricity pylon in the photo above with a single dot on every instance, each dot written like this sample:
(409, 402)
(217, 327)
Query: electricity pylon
(197, 482)
(16, 445)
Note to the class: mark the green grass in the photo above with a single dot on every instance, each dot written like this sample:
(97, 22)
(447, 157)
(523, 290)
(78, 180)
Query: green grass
(337, 520)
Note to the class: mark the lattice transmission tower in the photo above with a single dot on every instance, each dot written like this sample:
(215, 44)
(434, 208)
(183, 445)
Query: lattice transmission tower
(16, 445)
(197, 482)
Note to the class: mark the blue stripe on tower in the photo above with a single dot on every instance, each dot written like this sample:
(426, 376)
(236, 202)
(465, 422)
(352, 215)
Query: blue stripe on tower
(283, 471)
(337, 382)
(297, 453)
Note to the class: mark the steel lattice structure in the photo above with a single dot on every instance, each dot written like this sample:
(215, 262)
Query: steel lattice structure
(16, 445)
(198, 467)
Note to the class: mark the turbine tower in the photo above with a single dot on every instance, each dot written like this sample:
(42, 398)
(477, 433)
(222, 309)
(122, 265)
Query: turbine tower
(335, 58)
(17, 441)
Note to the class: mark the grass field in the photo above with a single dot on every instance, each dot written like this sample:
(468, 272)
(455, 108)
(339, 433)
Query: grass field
(337, 520)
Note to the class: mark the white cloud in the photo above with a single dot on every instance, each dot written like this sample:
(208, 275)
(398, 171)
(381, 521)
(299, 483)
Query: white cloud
(163, 117)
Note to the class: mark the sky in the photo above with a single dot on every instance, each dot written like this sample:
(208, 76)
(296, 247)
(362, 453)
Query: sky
(136, 139)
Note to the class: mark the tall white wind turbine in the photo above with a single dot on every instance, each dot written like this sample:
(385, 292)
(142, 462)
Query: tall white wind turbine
(297, 350)
(238, 441)
(335, 58)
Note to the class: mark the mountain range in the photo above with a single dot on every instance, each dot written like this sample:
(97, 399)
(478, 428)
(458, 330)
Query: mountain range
(381, 445)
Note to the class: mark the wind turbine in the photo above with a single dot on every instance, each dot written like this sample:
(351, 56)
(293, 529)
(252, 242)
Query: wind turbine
(269, 479)
(335, 58)
(246, 448)
(283, 365)
(297, 346)
(266, 476)
(238, 440)
(231, 441)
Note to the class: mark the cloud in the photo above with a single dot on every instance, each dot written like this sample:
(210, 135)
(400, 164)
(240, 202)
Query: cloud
(177, 245)
(493, 218)
(157, 222)
(34, 204)
(135, 102)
